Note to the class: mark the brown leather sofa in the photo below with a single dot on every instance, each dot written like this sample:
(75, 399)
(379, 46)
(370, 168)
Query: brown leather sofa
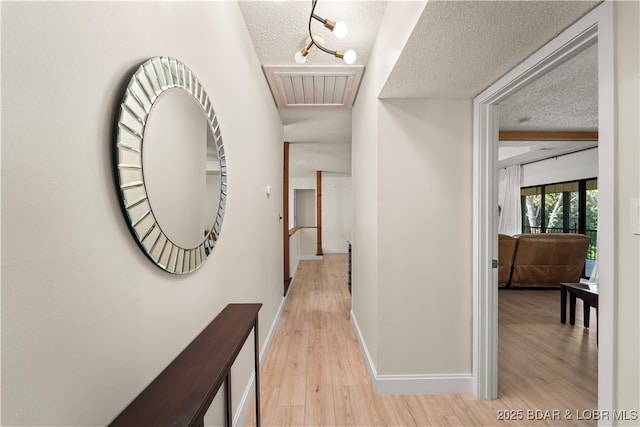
(541, 260)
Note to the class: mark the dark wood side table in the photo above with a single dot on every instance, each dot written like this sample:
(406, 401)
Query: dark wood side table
(588, 293)
(182, 393)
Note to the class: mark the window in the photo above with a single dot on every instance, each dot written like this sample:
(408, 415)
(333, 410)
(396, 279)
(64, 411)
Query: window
(567, 207)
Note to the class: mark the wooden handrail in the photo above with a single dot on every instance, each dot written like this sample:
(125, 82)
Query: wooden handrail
(183, 392)
(294, 230)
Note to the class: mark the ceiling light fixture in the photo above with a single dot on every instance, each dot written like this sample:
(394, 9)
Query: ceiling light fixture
(339, 29)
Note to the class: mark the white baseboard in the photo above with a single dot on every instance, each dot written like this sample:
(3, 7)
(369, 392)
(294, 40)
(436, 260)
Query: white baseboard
(272, 329)
(249, 391)
(245, 402)
(424, 384)
(371, 367)
(294, 268)
(411, 384)
(335, 251)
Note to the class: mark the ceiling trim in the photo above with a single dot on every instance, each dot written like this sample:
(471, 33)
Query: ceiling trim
(507, 135)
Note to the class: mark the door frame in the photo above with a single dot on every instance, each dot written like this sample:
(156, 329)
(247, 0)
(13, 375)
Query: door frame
(595, 27)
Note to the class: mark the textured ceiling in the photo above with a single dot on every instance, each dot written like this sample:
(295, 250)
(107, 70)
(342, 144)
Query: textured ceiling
(279, 28)
(457, 49)
(320, 138)
(564, 99)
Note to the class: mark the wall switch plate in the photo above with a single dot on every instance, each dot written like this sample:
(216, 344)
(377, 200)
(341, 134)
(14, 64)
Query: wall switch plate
(635, 216)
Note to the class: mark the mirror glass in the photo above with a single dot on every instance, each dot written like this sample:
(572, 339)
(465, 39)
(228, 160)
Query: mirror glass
(170, 165)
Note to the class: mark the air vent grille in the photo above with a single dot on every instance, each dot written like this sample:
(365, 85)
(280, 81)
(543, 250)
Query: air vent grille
(303, 86)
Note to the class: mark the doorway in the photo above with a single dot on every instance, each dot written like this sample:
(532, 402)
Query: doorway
(595, 27)
(304, 207)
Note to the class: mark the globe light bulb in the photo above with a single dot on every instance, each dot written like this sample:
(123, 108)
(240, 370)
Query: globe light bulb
(300, 58)
(349, 57)
(340, 30)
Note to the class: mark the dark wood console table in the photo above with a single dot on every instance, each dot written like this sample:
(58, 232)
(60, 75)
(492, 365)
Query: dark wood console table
(183, 392)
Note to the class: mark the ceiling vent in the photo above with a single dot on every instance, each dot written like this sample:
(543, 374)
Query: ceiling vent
(314, 86)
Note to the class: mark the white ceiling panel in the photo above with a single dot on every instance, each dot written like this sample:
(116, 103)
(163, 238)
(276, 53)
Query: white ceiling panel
(304, 86)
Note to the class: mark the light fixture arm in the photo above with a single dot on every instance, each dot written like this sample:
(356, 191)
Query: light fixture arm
(311, 18)
(349, 56)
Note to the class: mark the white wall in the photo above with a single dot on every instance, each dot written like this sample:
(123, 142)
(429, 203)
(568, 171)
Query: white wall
(570, 167)
(87, 320)
(395, 28)
(302, 245)
(628, 182)
(425, 237)
(368, 295)
(336, 213)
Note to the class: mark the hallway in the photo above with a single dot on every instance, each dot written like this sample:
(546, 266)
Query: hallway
(314, 373)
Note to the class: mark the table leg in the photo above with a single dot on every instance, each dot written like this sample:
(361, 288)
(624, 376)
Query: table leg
(227, 398)
(587, 313)
(256, 359)
(572, 309)
(563, 304)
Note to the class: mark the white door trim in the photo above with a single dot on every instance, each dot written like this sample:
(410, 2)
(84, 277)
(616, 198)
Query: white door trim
(595, 27)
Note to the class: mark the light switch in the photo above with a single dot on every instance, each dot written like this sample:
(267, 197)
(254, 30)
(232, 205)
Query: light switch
(635, 216)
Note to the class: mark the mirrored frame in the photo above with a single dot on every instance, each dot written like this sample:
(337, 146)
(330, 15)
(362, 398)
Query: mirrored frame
(150, 80)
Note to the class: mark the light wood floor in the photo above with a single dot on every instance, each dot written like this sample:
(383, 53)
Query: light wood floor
(314, 373)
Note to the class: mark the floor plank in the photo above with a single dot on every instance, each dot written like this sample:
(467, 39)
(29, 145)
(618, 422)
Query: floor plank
(315, 375)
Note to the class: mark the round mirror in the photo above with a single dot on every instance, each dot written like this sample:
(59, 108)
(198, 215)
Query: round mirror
(170, 165)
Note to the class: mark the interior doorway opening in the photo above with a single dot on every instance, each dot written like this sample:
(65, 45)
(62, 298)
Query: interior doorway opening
(596, 27)
(304, 207)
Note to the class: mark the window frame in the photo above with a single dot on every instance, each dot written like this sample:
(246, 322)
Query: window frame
(583, 187)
